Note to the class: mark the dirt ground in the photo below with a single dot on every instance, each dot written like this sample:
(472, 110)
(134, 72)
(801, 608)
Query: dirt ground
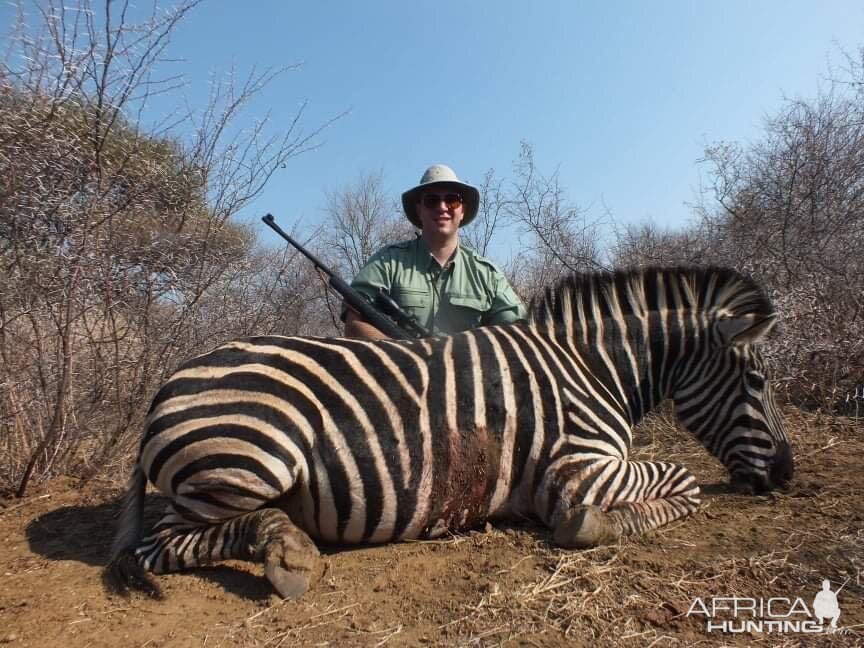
(501, 586)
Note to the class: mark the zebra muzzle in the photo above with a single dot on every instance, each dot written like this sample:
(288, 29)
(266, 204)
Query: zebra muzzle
(783, 466)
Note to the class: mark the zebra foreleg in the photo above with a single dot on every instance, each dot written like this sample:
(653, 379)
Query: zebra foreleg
(637, 496)
(291, 560)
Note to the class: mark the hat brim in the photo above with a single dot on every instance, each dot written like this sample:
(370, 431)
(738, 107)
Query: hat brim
(470, 200)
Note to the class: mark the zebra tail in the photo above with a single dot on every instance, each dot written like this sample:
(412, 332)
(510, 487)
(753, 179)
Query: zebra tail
(123, 571)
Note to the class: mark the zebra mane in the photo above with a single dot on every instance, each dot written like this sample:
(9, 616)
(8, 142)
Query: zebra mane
(711, 290)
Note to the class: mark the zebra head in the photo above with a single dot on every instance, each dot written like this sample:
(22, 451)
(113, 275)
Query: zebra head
(724, 397)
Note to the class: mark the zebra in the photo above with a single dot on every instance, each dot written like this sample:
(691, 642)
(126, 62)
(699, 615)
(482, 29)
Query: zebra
(268, 446)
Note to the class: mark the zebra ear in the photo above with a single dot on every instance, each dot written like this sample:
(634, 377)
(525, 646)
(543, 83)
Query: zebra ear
(748, 329)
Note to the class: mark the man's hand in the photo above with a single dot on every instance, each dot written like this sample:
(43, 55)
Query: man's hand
(356, 326)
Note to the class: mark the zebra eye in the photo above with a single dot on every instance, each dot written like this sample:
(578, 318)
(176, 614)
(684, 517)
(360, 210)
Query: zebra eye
(754, 381)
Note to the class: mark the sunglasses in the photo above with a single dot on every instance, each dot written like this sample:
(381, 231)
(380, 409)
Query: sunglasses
(451, 200)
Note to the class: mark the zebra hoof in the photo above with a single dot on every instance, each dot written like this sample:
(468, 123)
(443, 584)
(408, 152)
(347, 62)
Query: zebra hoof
(293, 572)
(583, 527)
(289, 584)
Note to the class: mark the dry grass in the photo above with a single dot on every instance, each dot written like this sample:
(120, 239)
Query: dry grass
(505, 586)
(639, 591)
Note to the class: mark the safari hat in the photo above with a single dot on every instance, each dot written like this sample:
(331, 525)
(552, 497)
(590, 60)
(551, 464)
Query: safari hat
(441, 174)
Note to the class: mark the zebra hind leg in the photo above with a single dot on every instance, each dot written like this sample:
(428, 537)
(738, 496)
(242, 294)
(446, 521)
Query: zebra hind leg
(291, 560)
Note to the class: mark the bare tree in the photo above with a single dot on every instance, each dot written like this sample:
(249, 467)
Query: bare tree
(114, 237)
(557, 236)
(491, 215)
(360, 220)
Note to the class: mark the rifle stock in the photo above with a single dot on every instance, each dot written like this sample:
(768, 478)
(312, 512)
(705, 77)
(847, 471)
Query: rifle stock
(357, 300)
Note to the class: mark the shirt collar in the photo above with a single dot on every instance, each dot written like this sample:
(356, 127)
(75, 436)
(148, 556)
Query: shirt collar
(431, 261)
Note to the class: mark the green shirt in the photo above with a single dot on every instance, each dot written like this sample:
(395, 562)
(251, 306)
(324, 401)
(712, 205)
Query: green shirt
(468, 291)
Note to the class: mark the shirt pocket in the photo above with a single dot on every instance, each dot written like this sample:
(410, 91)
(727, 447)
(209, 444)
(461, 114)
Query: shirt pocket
(470, 309)
(471, 301)
(411, 299)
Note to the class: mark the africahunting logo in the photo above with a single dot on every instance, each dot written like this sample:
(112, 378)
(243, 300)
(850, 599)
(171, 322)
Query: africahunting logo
(740, 614)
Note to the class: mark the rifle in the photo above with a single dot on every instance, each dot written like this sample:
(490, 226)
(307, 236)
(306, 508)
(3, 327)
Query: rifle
(398, 324)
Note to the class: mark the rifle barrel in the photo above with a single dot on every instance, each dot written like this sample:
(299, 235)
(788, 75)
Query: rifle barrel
(269, 220)
(351, 296)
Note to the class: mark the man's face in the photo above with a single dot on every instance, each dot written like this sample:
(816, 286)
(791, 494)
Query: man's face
(441, 210)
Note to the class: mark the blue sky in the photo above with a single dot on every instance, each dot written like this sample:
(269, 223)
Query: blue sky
(621, 96)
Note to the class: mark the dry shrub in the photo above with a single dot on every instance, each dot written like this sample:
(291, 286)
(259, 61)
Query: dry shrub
(117, 249)
(788, 209)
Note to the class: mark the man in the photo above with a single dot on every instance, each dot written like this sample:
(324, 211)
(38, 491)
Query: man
(447, 287)
(825, 604)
